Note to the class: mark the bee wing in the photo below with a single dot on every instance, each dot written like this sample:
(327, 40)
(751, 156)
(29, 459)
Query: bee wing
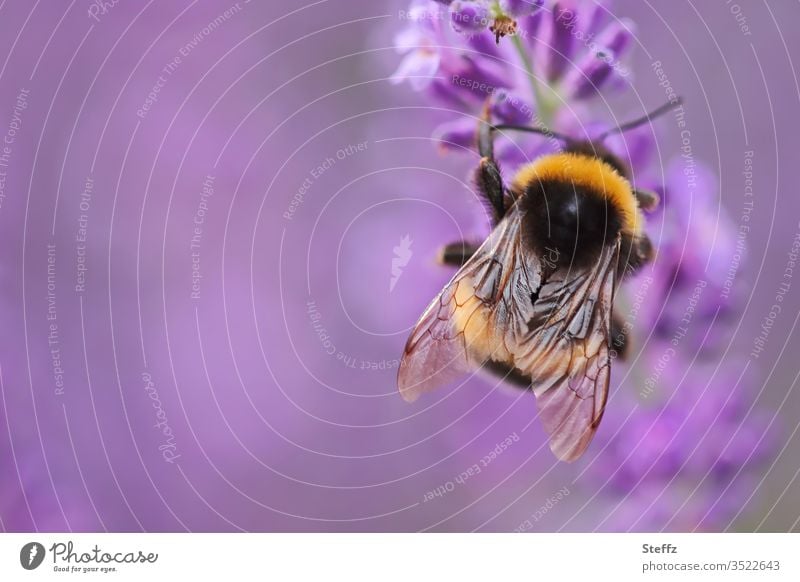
(480, 314)
(561, 341)
(567, 354)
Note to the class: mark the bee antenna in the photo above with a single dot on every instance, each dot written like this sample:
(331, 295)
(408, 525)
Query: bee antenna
(530, 129)
(642, 120)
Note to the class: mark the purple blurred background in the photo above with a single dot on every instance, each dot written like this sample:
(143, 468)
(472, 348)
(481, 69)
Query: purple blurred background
(200, 207)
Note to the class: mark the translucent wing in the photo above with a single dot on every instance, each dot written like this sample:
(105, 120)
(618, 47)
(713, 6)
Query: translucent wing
(498, 309)
(481, 314)
(567, 353)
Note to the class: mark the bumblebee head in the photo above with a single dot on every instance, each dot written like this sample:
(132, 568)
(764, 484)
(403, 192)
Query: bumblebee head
(578, 200)
(574, 203)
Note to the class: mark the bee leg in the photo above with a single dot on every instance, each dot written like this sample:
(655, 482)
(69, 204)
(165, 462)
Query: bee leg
(647, 199)
(457, 253)
(490, 185)
(619, 337)
(643, 251)
(508, 374)
(487, 176)
(637, 251)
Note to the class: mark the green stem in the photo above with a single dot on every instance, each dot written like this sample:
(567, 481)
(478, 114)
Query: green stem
(544, 107)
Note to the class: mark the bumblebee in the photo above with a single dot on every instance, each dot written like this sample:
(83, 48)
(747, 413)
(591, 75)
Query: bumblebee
(533, 304)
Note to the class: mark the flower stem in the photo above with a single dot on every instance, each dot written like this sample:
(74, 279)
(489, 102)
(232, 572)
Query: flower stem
(545, 107)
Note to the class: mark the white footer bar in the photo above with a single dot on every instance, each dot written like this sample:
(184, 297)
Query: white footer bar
(401, 557)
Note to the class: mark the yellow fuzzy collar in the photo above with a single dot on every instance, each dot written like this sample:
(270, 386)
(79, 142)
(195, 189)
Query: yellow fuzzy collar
(590, 173)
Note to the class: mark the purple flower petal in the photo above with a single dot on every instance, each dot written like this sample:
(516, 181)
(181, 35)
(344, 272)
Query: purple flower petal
(418, 68)
(458, 135)
(594, 71)
(528, 27)
(511, 107)
(618, 37)
(484, 43)
(519, 8)
(637, 149)
(693, 198)
(468, 17)
(445, 92)
(562, 41)
(479, 78)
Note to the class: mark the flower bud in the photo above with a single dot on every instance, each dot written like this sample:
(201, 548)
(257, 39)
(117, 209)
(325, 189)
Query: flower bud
(468, 17)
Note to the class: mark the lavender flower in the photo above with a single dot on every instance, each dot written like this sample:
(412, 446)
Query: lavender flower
(680, 441)
(682, 463)
(558, 55)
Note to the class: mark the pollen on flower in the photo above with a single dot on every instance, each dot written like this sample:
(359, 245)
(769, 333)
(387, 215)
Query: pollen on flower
(503, 26)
